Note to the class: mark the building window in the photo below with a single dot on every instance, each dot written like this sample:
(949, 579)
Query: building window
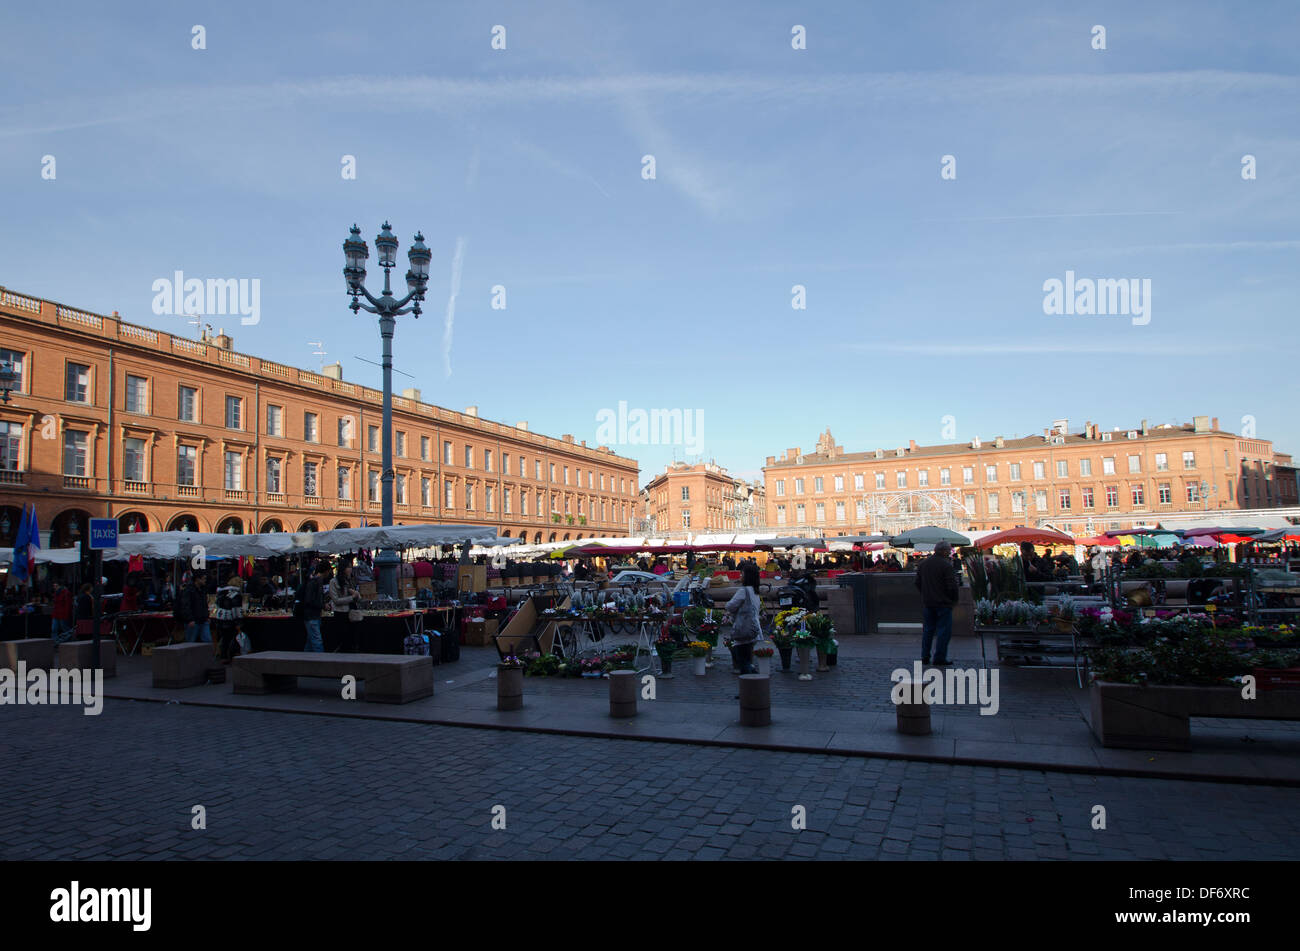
(1194, 491)
(523, 501)
(133, 459)
(373, 487)
(968, 475)
(487, 462)
(780, 486)
(372, 438)
(14, 360)
(76, 383)
(1039, 470)
(1162, 462)
(273, 477)
(469, 496)
(507, 495)
(1087, 496)
(1063, 498)
(1189, 459)
(1014, 473)
(839, 483)
(686, 518)
(11, 441)
(137, 394)
(880, 480)
(821, 511)
(1134, 463)
(309, 484)
(969, 501)
(990, 473)
(858, 482)
(1085, 467)
(1112, 496)
(994, 503)
(345, 483)
(945, 477)
(345, 431)
(488, 500)
(234, 412)
(274, 420)
(862, 510)
(1166, 496)
(1139, 496)
(1017, 502)
(686, 493)
(399, 489)
(424, 449)
(839, 511)
(74, 453)
(780, 515)
(566, 475)
(798, 486)
(234, 471)
(819, 484)
(1108, 465)
(900, 479)
(446, 453)
(923, 478)
(399, 445)
(309, 431)
(799, 513)
(537, 469)
(188, 404)
(1062, 468)
(552, 472)
(186, 468)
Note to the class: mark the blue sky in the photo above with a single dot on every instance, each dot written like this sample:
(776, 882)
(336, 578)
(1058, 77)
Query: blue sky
(774, 166)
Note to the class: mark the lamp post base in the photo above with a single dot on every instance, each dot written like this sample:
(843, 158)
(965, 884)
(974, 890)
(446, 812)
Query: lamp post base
(386, 564)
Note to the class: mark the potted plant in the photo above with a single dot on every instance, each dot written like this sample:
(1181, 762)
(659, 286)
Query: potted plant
(763, 656)
(699, 654)
(782, 634)
(1065, 613)
(804, 640)
(666, 647)
(510, 683)
(823, 632)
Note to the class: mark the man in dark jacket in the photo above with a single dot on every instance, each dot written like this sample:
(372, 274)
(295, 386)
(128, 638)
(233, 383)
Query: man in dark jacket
(313, 602)
(193, 609)
(939, 587)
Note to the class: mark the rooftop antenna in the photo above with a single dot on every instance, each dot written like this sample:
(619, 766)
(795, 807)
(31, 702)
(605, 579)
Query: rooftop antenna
(374, 364)
(318, 352)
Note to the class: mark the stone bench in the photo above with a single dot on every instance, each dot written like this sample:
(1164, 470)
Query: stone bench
(35, 652)
(1157, 717)
(388, 678)
(181, 665)
(77, 655)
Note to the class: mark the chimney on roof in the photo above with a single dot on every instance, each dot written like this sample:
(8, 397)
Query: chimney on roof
(998, 443)
(567, 437)
(411, 393)
(1214, 424)
(522, 424)
(222, 341)
(771, 460)
(333, 371)
(1047, 435)
(471, 410)
(1200, 424)
(1087, 430)
(1144, 427)
(911, 444)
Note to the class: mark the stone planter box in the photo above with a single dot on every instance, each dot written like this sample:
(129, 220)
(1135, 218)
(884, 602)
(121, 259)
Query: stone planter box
(1129, 716)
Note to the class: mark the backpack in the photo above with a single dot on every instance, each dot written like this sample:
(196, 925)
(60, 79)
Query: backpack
(417, 644)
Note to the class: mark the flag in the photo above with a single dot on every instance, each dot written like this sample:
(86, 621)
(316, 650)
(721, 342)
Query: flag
(19, 566)
(33, 543)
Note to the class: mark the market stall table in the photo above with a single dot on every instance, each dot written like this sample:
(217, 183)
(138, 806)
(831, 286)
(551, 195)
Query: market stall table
(384, 633)
(133, 626)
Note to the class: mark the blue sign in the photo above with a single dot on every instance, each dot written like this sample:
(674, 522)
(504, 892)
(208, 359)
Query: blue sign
(103, 533)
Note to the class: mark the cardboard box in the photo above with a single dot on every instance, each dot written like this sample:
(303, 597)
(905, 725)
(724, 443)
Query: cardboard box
(368, 589)
(471, 578)
(476, 632)
(422, 583)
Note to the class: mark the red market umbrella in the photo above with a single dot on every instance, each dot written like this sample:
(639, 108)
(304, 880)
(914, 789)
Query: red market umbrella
(1098, 541)
(1035, 536)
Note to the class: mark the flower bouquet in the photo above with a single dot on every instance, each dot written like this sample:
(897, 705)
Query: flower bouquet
(699, 648)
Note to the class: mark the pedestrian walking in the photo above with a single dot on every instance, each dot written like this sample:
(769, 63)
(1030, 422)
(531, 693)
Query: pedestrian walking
(313, 603)
(229, 613)
(937, 581)
(743, 610)
(193, 609)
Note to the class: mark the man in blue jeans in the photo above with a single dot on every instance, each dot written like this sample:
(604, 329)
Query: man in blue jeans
(937, 581)
(313, 602)
(194, 609)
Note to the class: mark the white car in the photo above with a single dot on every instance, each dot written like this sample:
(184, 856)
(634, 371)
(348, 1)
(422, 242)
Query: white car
(640, 577)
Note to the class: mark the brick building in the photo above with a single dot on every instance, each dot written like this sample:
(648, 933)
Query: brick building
(693, 498)
(1080, 482)
(164, 432)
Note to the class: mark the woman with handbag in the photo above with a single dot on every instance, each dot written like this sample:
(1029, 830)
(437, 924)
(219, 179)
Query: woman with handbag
(743, 609)
(228, 614)
(345, 597)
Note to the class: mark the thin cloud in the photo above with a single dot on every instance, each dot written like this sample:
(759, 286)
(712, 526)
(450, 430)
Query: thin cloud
(985, 348)
(457, 261)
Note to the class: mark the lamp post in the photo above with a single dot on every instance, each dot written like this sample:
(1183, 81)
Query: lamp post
(8, 380)
(388, 308)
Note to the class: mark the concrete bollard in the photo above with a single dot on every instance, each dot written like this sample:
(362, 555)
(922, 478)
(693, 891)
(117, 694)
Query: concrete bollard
(755, 700)
(913, 713)
(35, 652)
(622, 693)
(510, 687)
(76, 655)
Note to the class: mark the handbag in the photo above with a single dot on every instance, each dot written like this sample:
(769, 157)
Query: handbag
(354, 615)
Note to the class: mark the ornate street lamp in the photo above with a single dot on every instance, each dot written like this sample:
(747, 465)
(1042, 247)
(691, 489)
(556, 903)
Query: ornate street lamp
(389, 309)
(8, 380)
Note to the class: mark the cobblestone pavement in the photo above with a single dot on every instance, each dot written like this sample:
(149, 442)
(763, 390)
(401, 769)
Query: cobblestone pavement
(284, 786)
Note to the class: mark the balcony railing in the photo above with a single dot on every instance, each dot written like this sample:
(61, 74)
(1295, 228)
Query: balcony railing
(236, 495)
(11, 477)
(76, 482)
(187, 491)
(311, 501)
(275, 498)
(131, 485)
